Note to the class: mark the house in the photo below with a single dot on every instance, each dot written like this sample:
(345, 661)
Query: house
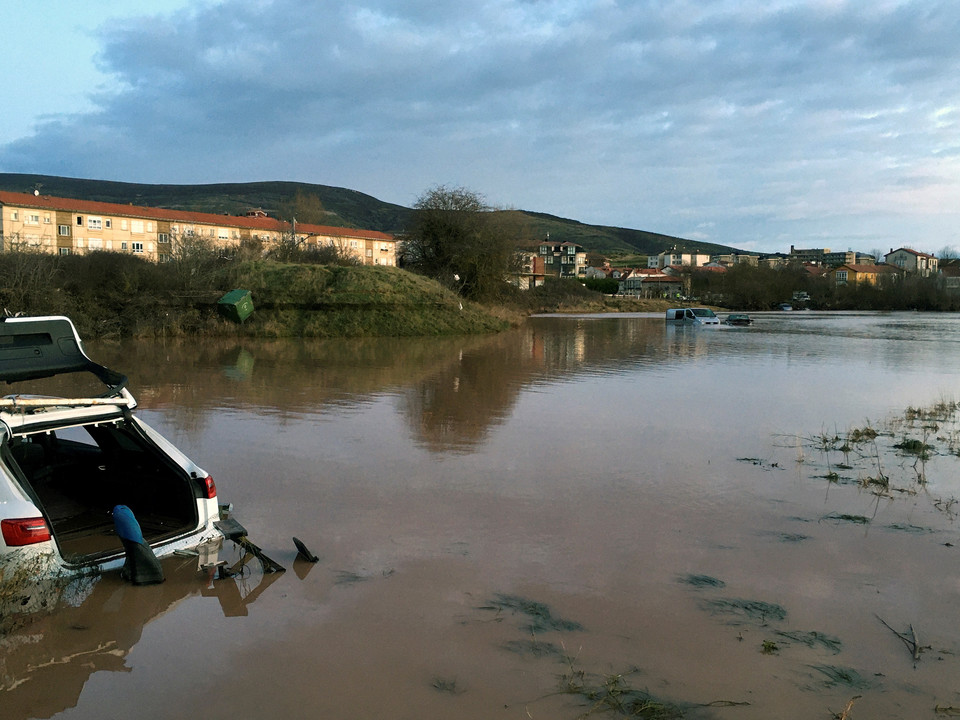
(912, 262)
(65, 226)
(596, 273)
(677, 257)
(563, 260)
(531, 274)
(731, 259)
(857, 274)
(949, 270)
(650, 283)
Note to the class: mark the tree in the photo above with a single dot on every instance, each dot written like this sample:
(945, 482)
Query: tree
(303, 208)
(463, 243)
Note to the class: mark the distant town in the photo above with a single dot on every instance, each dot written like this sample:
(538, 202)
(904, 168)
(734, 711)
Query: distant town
(670, 272)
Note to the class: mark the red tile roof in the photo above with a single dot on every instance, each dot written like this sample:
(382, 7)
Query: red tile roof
(44, 202)
(911, 251)
(869, 269)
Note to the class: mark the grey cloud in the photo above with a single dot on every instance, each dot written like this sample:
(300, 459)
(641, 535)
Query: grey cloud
(667, 116)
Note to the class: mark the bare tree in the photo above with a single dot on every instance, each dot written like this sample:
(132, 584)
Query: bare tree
(462, 242)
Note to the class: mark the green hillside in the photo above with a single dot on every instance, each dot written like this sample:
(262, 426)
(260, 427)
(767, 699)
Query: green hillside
(347, 208)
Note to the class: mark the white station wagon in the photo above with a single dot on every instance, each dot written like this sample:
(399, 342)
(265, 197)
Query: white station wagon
(67, 460)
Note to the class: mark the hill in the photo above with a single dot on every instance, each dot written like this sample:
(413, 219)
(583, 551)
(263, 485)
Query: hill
(347, 208)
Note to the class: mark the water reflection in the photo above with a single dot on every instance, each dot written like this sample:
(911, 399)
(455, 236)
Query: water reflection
(453, 391)
(582, 462)
(92, 624)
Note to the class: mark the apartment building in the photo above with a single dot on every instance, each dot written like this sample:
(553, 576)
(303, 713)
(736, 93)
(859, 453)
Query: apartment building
(64, 225)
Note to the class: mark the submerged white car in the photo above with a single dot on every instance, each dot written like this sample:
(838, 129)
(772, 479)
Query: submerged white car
(67, 461)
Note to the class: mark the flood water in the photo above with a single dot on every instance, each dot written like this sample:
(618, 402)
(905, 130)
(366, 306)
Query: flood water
(540, 524)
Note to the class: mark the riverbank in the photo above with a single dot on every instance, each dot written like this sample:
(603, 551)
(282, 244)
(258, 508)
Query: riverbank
(113, 296)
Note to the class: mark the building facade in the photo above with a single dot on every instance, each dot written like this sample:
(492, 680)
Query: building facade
(564, 260)
(912, 262)
(677, 257)
(860, 274)
(65, 226)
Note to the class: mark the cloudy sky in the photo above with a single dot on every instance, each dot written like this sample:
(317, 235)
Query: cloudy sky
(752, 123)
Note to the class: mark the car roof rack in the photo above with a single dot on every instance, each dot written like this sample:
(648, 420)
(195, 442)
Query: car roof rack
(40, 347)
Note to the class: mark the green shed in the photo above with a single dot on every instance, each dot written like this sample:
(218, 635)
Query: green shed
(236, 305)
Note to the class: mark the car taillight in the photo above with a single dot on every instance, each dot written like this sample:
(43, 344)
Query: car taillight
(208, 487)
(24, 531)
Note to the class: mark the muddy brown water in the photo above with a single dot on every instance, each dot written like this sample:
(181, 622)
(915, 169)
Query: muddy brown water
(508, 525)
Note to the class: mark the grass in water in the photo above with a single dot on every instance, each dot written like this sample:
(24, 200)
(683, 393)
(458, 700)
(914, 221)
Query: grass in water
(613, 694)
(541, 618)
(752, 610)
(702, 581)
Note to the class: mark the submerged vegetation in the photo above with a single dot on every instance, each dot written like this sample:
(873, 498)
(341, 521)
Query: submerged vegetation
(888, 459)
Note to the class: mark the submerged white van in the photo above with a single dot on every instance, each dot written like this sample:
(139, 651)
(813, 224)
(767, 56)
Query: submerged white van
(692, 316)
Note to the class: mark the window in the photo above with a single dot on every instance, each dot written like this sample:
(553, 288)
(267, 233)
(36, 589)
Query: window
(149, 227)
(123, 224)
(223, 234)
(80, 220)
(63, 230)
(369, 253)
(136, 226)
(163, 257)
(549, 259)
(841, 276)
(94, 223)
(46, 218)
(123, 244)
(163, 238)
(32, 219)
(14, 215)
(137, 247)
(64, 251)
(108, 223)
(95, 244)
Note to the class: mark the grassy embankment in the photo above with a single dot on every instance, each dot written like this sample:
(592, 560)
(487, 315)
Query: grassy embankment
(110, 296)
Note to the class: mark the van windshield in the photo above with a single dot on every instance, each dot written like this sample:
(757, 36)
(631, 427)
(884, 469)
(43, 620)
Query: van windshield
(703, 312)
